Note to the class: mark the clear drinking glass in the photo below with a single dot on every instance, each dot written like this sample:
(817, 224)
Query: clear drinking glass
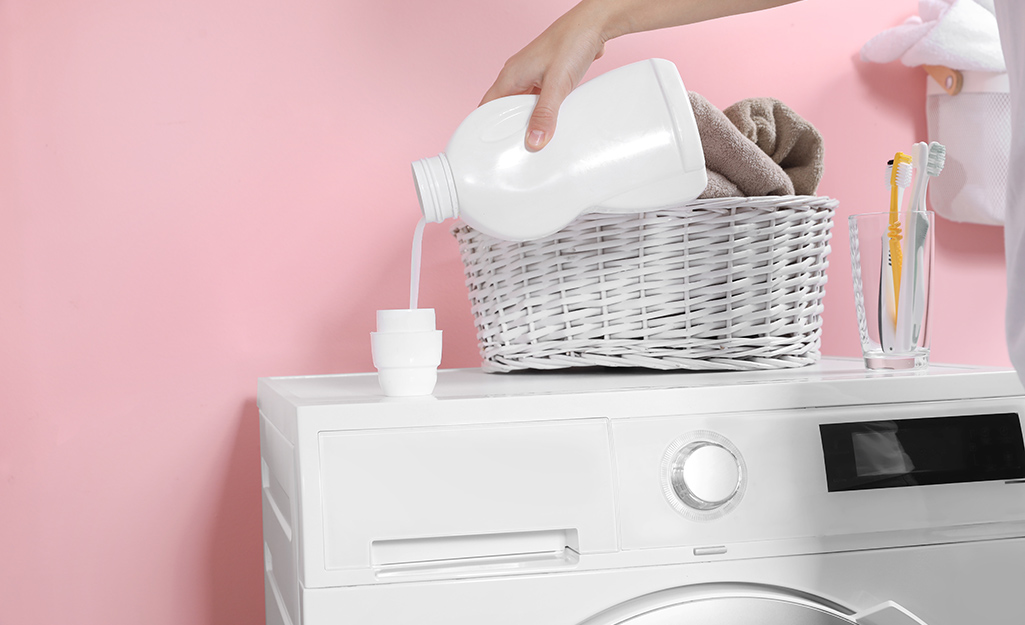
(891, 267)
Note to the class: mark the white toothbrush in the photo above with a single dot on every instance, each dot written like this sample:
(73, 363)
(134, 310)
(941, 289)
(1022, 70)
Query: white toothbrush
(884, 303)
(913, 231)
(933, 166)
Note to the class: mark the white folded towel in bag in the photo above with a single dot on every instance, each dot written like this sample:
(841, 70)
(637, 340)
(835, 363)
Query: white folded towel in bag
(959, 34)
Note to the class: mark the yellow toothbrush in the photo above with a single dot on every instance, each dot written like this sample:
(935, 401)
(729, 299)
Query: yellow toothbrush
(900, 178)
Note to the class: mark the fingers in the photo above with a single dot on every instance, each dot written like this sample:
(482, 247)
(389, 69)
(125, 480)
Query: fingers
(550, 66)
(552, 87)
(541, 127)
(501, 88)
(520, 75)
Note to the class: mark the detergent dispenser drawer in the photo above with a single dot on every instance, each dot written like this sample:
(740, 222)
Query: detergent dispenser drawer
(459, 501)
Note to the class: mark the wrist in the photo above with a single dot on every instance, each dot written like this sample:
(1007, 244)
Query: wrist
(608, 18)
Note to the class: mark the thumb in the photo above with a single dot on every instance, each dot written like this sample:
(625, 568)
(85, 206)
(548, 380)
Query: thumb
(541, 127)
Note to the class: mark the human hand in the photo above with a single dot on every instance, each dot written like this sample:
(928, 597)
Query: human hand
(551, 66)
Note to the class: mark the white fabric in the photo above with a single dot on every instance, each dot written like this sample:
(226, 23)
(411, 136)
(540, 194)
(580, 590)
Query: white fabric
(959, 34)
(1011, 17)
(976, 130)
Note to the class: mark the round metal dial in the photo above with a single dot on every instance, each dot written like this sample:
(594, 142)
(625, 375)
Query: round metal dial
(704, 474)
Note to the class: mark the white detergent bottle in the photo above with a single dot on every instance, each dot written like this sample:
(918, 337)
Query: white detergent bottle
(626, 142)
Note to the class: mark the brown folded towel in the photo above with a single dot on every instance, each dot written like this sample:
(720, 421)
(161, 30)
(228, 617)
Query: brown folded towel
(791, 142)
(757, 147)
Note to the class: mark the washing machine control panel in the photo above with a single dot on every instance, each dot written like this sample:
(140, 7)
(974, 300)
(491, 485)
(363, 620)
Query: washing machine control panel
(923, 451)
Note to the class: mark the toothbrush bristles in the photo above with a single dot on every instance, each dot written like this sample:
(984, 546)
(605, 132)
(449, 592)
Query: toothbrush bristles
(903, 176)
(937, 158)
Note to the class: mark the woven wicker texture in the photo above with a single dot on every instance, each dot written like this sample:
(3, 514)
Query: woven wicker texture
(718, 284)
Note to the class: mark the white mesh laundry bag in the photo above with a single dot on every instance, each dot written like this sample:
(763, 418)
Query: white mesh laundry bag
(975, 127)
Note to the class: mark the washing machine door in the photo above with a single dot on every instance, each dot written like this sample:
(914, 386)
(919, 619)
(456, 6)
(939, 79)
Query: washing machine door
(744, 604)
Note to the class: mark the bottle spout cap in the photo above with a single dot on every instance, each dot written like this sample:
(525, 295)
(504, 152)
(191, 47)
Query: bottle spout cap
(436, 188)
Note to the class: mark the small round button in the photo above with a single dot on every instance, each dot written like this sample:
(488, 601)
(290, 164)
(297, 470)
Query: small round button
(710, 474)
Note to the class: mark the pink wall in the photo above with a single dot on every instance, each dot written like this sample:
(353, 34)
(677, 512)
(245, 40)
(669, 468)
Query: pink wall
(195, 193)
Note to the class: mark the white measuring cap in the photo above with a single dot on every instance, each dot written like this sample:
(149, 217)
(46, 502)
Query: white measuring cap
(407, 351)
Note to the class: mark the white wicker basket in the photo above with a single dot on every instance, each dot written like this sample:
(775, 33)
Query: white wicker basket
(728, 283)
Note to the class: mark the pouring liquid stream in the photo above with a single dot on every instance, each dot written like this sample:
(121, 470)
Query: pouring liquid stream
(414, 269)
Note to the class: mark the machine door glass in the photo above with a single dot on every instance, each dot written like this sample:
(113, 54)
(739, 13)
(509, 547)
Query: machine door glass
(744, 604)
(738, 611)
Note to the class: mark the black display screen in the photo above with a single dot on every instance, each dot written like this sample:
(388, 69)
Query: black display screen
(918, 452)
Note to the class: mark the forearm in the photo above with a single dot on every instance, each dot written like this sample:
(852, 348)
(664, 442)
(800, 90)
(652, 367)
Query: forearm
(621, 17)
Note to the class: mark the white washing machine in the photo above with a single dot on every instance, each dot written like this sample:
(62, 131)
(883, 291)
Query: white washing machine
(825, 495)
